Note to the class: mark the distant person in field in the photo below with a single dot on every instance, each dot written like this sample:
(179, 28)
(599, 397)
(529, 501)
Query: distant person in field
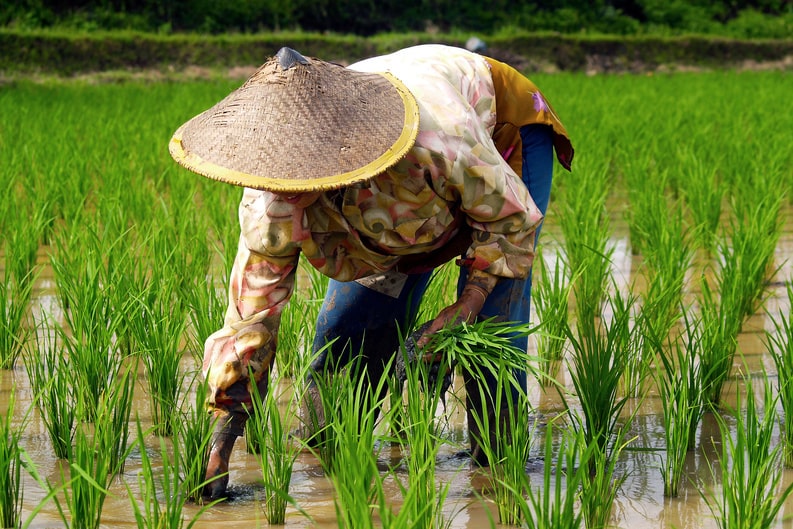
(377, 173)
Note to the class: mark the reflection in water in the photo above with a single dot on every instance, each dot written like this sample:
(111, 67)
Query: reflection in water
(640, 503)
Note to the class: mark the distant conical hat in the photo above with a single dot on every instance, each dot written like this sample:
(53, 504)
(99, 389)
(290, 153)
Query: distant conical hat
(300, 124)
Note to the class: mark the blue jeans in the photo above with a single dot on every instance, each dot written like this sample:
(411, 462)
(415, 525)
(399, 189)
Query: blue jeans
(366, 322)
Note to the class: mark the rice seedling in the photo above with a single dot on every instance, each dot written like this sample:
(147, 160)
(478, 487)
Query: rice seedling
(419, 433)
(748, 259)
(11, 487)
(554, 504)
(353, 467)
(21, 238)
(324, 397)
(440, 293)
(192, 440)
(95, 452)
(643, 180)
(507, 453)
(297, 318)
(90, 469)
(585, 225)
(601, 484)
(753, 492)
(484, 348)
(206, 309)
(666, 262)
(682, 399)
(779, 344)
(158, 324)
(551, 298)
(599, 360)
(179, 230)
(15, 294)
(703, 195)
(721, 323)
(49, 371)
(115, 408)
(163, 494)
(631, 340)
(90, 318)
(479, 350)
(277, 455)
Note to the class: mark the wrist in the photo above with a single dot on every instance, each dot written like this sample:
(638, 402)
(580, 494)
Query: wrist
(474, 297)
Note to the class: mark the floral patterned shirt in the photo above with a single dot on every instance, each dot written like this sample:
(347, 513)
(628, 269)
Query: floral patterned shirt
(455, 175)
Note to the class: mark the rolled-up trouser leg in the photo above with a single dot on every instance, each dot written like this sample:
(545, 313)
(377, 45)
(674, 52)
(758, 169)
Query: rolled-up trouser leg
(360, 323)
(511, 299)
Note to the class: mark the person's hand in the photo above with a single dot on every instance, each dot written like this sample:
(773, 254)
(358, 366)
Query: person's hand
(465, 309)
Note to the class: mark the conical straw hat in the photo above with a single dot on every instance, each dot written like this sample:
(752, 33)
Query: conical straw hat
(300, 124)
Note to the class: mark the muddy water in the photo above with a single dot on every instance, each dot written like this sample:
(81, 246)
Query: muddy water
(639, 505)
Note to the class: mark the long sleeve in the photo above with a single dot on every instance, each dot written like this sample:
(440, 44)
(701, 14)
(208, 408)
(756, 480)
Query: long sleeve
(260, 284)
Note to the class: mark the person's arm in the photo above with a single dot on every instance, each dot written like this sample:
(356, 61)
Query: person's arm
(502, 216)
(260, 284)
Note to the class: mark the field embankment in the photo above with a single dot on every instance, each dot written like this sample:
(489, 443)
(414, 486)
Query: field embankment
(69, 54)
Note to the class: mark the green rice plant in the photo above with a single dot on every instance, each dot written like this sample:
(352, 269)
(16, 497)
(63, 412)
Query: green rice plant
(353, 468)
(115, 408)
(225, 229)
(277, 455)
(779, 344)
(90, 469)
(507, 452)
(682, 399)
(551, 298)
(90, 319)
(666, 262)
(15, 294)
(479, 349)
(721, 323)
(703, 194)
(643, 180)
(753, 492)
(748, 257)
(21, 238)
(600, 355)
(11, 486)
(163, 494)
(297, 318)
(441, 292)
(192, 439)
(324, 396)
(187, 269)
(584, 223)
(206, 309)
(127, 273)
(554, 504)
(484, 347)
(49, 371)
(631, 341)
(158, 324)
(601, 483)
(419, 434)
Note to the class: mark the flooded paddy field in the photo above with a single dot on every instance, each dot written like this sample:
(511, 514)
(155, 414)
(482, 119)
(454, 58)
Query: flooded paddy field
(104, 171)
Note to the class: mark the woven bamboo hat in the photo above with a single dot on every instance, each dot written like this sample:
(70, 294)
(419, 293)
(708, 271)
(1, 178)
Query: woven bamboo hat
(300, 124)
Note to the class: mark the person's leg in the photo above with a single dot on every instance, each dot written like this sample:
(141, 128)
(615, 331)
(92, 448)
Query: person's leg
(511, 299)
(360, 323)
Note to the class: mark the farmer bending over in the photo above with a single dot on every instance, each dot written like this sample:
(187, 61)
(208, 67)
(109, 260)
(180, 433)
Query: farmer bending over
(378, 173)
